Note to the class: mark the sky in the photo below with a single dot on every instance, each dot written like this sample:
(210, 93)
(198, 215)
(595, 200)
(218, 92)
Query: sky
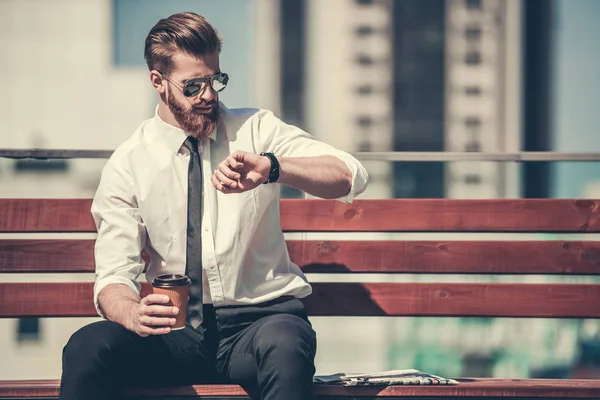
(576, 97)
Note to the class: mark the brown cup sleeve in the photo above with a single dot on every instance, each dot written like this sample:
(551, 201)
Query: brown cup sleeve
(178, 297)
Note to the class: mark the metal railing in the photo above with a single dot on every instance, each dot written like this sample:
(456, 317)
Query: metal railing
(421, 156)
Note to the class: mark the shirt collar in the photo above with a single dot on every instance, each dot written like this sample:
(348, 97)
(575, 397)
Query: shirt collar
(172, 136)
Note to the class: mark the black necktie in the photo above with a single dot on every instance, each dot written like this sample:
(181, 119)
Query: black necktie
(193, 257)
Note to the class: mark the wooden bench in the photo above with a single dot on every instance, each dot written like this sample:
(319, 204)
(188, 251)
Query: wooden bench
(542, 257)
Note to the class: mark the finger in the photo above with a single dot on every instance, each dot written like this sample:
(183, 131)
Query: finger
(221, 186)
(217, 184)
(226, 189)
(225, 180)
(145, 331)
(156, 321)
(228, 172)
(235, 160)
(160, 310)
(155, 298)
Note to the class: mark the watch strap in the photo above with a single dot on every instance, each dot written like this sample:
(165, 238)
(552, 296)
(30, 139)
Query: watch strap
(274, 171)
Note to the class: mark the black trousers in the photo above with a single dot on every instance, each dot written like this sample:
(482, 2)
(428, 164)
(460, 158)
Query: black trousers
(268, 349)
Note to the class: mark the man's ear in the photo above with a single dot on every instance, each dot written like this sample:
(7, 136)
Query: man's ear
(158, 81)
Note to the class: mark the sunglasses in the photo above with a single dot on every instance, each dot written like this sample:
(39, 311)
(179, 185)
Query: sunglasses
(193, 87)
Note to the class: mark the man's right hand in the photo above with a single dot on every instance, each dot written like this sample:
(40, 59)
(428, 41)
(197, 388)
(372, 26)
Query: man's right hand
(152, 316)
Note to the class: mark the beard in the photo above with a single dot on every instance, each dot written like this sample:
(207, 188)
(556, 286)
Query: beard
(193, 122)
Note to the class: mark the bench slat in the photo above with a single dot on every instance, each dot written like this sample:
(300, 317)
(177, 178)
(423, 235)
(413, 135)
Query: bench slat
(46, 215)
(477, 387)
(484, 257)
(46, 255)
(469, 257)
(359, 299)
(442, 215)
(397, 215)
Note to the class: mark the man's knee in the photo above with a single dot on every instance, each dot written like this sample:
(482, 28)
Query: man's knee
(93, 342)
(286, 336)
(285, 348)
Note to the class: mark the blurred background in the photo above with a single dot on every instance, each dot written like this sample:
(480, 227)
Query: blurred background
(363, 75)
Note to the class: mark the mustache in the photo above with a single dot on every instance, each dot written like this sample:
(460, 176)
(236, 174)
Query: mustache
(205, 105)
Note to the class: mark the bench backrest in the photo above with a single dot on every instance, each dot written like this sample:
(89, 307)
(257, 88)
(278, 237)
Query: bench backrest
(544, 257)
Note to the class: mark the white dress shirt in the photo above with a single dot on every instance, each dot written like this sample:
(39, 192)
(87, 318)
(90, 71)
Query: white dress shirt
(141, 203)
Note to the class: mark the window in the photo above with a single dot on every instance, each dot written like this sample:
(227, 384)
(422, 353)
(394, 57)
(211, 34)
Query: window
(28, 329)
(365, 121)
(41, 166)
(473, 146)
(364, 30)
(473, 122)
(473, 32)
(473, 57)
(365, 90)
(365, 146)
(473, 91)
(364, 60)
(474, 4)
(472, 179)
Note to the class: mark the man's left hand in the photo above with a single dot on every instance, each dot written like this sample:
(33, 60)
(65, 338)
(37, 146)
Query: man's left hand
(241, 171)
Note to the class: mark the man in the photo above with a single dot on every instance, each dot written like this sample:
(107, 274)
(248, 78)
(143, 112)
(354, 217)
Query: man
(195, 188)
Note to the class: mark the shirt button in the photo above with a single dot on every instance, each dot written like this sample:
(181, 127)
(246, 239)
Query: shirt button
(205, 229)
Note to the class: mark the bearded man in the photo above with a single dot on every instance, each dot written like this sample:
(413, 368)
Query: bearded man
(197, 188)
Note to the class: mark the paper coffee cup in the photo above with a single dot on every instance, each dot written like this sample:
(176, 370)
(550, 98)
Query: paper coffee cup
(175, 286)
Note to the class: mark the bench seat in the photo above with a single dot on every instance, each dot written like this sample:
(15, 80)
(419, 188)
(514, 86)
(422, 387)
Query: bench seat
(348, 256)
(475, 387)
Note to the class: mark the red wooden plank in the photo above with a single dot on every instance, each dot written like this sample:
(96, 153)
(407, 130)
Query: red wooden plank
(61, 299)
(49, 255)
(399, 215)
(442, 215)
(349, 299)
(473, 257)
(54, 255)
(46, 215)
(456, 299)
(477, 387)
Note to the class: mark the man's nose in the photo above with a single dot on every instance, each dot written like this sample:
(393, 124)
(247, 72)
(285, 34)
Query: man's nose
(207, 94)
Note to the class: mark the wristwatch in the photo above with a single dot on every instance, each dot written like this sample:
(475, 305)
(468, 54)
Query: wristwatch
(274, 172)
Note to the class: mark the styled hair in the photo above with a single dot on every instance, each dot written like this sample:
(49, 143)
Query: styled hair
(186, 32)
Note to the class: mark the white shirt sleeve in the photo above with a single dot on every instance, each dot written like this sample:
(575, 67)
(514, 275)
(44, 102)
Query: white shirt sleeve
(121, 232)
(286, 140)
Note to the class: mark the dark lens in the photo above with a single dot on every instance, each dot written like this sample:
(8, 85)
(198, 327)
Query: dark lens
(217, 86)
(191, 90)
(219, 82)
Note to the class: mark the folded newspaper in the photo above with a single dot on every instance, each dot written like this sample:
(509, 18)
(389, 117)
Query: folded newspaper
(396, 377)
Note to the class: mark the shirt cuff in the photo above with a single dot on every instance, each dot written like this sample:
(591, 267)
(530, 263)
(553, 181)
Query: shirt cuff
(359, 178)
(109, 280)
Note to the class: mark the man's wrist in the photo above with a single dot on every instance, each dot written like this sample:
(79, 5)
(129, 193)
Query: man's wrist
(272, 172)
(119, 304)
(130, 314)
(265, 168)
